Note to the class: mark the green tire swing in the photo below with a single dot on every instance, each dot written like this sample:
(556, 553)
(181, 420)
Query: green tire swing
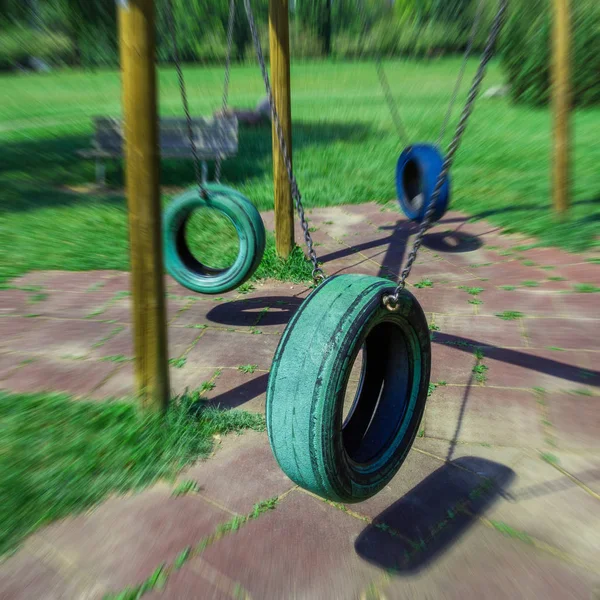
(184, 267)
(349, 458)
(180, 262)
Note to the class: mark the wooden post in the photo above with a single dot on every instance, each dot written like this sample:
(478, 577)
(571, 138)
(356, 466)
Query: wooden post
(279, 44)
(140, 132)
(562, 104)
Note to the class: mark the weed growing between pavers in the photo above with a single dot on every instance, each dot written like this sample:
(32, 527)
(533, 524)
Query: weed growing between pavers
(509, 531)
(424, 283)
(480, 370)
(178, 363)
(510, 315)
(247, 368)
(586, 288)
(473, 291)
(160, 576)
(105, 339)
(116, 358)
(61, 457)
(186, 487)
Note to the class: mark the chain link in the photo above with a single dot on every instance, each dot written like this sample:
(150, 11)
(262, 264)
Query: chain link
(225, 103)
(392, 300)
(463, 68)
(317, 273)
(184, 99)
(389, 97)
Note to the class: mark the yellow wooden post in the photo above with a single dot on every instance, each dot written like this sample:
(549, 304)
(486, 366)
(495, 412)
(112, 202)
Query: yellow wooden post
(279, 44)
(140, 131)
(562, 104)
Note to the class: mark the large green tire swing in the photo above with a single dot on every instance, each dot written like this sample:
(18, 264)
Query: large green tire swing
(184, 267)
(350, 458)
(180, 263)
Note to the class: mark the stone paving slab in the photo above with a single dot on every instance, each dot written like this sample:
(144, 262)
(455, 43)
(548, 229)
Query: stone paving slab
(242, 473)
(303, 549)
(551, 508)
(533, 533)
(72, 377)
(479, 414)
(123, 541)
(484, 565)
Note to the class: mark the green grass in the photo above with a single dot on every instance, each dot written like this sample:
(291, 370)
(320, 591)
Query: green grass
(473, 291)
(530, 283)
(480, 372)
(61, 457)
(248, 368)
(508, 288)
(424, 283)
(178, 363)
(340, 115)
(586, 288)
(510, 315)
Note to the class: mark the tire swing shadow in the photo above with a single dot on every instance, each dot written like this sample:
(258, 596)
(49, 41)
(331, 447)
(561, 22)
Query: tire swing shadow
(255, 311)
(452, 242)
(425, 523)
(428, 520)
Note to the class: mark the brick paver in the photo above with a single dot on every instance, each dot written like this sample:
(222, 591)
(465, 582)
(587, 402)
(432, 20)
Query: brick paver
(499, 498)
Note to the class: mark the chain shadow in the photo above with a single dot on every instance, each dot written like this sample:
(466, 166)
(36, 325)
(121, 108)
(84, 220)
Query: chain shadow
(428, 520)
(527, 361)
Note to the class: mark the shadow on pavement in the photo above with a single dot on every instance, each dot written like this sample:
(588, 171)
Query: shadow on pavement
(426, 522)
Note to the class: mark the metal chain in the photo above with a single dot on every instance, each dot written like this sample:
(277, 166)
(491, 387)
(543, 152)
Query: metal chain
(463, 68)
(230, 25)
(389, 97)
(184, 99)
(317, 273)
(391, 301)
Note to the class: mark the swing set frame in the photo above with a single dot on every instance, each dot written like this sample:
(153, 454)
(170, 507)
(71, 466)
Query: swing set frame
(140, 111)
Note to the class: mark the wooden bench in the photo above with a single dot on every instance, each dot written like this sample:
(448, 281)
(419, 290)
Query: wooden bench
(216, 138)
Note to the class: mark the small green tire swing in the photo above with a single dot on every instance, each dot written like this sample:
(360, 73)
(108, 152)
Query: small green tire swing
(184, 267)
(349, 458)
(180, 263)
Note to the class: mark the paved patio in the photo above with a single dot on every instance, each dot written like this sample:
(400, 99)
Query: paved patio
(529, 422)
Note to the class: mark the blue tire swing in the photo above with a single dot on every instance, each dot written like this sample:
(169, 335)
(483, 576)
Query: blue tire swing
(350, 458)
(180, 262)
(420, 165)
(417, 172)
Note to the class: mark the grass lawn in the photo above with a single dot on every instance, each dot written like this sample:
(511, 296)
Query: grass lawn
(345, 149)
(61, 457)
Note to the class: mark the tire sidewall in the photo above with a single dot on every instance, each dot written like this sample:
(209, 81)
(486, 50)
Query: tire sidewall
(429, 161)
(249, 229)
(353, 482)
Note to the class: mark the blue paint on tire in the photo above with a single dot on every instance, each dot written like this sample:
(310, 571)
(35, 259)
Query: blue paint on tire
(417, 172)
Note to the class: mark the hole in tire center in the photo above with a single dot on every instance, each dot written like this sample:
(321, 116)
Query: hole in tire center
(211, 238)
(377, 393)
(413, 184)
(354, 384)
